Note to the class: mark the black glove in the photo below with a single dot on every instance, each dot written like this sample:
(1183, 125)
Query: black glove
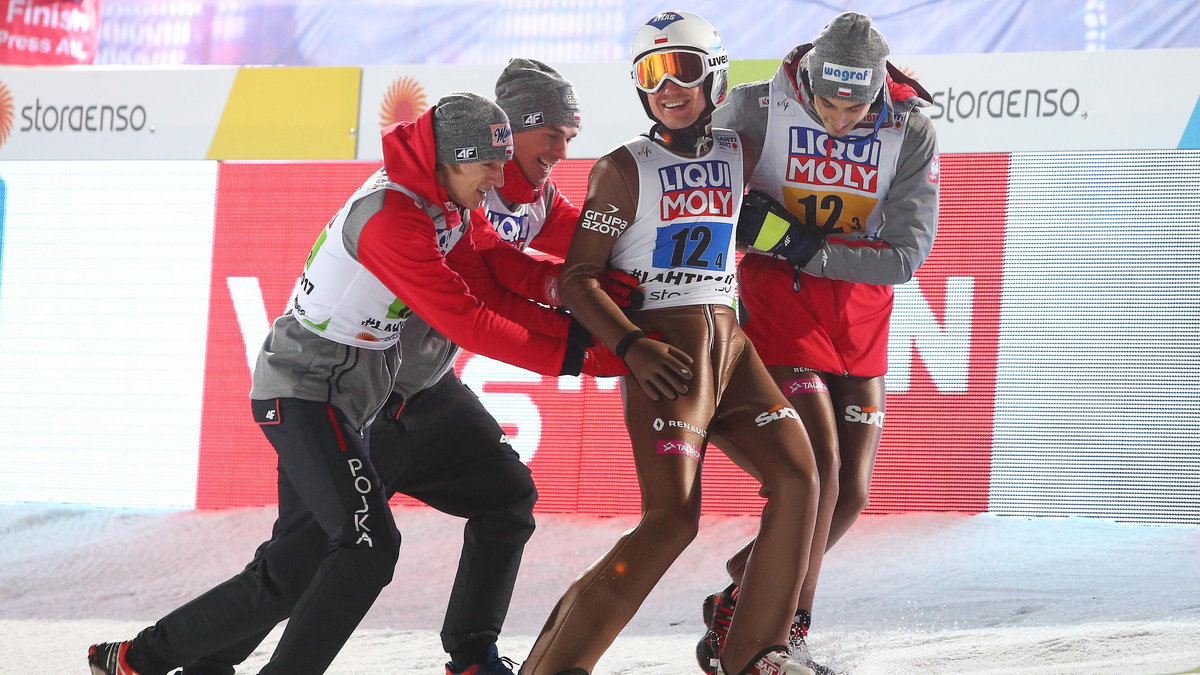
(578, 341)
(769, 227)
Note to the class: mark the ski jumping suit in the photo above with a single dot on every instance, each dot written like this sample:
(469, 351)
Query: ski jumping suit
(669, 221)
(325, 370)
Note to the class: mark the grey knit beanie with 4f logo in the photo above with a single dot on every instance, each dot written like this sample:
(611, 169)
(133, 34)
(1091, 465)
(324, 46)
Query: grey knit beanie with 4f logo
(469, 128)
(534, 95)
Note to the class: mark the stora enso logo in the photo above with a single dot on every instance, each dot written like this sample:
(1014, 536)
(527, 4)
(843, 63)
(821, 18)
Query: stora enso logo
(7, 111)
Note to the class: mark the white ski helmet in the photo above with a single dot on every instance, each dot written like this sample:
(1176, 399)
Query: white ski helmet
(681, 32)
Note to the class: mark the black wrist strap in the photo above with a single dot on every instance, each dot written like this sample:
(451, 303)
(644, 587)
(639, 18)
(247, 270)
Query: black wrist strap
(627, 341)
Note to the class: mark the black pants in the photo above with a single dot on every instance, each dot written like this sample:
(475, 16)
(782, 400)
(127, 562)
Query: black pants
(332, 550)
(443, 448)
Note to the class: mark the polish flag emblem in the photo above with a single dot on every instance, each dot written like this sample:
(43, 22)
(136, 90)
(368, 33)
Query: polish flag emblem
(659, 39)
(844, 91)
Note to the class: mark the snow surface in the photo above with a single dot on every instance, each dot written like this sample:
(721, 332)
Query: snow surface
(925, 593)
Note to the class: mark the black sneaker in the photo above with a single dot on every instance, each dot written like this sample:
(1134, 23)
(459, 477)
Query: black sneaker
(493, 664)
(108, 658)
(717, 613)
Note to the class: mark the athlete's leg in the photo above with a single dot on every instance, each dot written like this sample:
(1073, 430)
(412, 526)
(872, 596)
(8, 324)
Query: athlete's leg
(445, 449)
(859, 404)
(807, 392)
(668, 441)
(754, 428)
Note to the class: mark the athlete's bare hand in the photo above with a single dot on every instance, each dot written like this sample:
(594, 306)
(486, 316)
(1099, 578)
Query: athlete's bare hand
(661, 370)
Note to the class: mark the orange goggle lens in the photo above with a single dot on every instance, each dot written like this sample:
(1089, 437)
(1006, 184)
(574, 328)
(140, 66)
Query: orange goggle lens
(685, 68)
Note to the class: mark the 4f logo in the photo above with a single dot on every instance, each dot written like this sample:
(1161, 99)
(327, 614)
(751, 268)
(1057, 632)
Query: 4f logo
(533, 119)
(466, 154)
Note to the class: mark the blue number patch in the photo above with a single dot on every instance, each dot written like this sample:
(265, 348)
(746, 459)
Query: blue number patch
(701, 246)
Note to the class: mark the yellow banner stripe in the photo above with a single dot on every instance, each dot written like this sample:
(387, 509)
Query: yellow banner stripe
(289, 113)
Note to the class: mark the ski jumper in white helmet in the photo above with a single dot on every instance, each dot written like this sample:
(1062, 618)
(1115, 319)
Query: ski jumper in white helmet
(663, 207)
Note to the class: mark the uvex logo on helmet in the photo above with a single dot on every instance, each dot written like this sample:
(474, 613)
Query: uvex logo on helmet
(404, 101)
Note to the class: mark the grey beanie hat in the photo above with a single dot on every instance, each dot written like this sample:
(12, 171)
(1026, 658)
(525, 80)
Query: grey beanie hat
(534, 95)
(469, 128)
(848, 61)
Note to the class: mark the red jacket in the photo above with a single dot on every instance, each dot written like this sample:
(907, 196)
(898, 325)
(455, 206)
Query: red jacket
(398, 244)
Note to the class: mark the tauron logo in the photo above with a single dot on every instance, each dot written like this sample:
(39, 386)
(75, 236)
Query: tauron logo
(6, 112)
(404, 101)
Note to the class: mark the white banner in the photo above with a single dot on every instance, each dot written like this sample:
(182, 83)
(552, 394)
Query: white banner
(1119, 100)
(87, 112)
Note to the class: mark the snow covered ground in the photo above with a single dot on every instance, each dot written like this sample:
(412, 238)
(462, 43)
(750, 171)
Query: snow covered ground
(929, 593)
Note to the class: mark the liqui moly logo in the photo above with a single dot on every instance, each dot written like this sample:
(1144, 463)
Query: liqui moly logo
(696, 189)
(512, 228)
(816, 159)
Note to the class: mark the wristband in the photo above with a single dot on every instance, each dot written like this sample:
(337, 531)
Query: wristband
(627, 341)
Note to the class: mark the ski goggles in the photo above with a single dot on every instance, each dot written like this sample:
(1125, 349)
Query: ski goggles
(684, 68)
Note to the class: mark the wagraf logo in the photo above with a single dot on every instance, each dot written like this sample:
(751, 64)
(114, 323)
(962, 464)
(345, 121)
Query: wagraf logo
(846, 74)
(696, 189)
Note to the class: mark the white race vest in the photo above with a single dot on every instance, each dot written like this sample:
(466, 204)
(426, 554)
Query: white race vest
(840, 187)
(336, 297)
(680, 244)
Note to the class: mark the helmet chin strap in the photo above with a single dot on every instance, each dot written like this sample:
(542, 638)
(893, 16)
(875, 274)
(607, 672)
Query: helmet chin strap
(694, 140)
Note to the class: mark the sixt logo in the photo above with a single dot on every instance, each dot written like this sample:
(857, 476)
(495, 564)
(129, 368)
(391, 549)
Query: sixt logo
(871, 415)
(777, 413)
